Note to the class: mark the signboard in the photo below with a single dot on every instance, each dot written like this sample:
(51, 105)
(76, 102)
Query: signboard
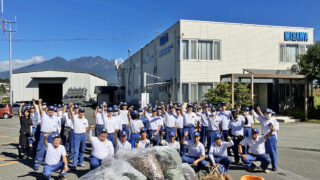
(164, 39)
(164, 51)
(295, 36)
(144, 99)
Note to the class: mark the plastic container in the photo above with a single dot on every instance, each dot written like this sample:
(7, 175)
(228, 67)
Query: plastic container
(247, 177)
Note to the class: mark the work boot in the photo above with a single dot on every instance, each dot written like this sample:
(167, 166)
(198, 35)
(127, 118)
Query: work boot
(252, 167)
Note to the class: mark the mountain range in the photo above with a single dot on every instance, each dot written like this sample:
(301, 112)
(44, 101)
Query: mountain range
(96, 65)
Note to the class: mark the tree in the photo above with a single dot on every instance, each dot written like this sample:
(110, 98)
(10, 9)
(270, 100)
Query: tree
(309, 63)
(222, 92)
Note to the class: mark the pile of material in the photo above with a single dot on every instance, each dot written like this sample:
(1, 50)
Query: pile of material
(158, 162)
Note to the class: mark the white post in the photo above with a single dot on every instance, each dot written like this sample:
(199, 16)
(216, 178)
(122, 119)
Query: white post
(10, 65)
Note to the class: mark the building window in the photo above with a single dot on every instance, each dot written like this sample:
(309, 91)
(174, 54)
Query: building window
(185, 49)
(290, 52)
(193, 49)
(203, 88)
(193, 92)
(217, 50)
(205, 50)
(185, 92)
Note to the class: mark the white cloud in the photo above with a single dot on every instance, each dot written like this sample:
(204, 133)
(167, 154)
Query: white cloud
(17, 63)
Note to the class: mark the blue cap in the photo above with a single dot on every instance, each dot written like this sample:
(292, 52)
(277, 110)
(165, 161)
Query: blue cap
(172, 134)
(44, 103)
(234, 110)
(110, 109)
(255, 130)
(273, 113)
(189, 105)
(159, 107)
(76, 106)
(100, 106)
(106, 105)
(210, 105)
(194, 106)
(196, 134)
(125, 104)
(171, 106)
(135, 112)
(115, 108)
(154, 109)
(140, 110)
(82, 110)
(218, 136)
(150, 105)
(213, 109)
(223, 103)
(51, 108)
(68, 106)
(178, 105)
(268, 110)
(123, 133)
(246, 109)
(143, 130)
(104, 130)
(55, 135)
(59, 106)
(55, 109)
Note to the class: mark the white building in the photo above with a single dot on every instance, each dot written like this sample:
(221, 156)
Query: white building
(52, 85)
(192, 55)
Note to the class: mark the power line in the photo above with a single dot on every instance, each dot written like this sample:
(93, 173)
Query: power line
(78, 39)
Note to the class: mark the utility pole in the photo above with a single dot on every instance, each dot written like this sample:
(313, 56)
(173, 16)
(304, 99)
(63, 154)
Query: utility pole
(10, 31)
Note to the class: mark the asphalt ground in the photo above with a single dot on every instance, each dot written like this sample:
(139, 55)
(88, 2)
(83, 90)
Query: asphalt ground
(298, 154)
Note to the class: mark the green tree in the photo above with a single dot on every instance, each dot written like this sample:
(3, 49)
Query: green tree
(222, 92)
(309, 63)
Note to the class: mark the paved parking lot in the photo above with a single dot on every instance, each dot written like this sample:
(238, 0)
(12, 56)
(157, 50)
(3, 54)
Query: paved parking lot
(298, 154)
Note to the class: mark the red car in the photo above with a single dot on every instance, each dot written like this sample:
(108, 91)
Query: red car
(5, 111)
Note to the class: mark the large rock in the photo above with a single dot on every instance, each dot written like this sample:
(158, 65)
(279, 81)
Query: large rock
(188, 172)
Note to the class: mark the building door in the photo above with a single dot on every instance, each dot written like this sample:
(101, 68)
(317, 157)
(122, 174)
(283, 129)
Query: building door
(51, 93)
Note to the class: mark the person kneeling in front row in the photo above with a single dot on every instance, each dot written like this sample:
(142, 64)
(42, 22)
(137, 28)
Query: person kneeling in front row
(196, 151)
(258, 152)
(218, 152)
(53, 155)
(101, 148)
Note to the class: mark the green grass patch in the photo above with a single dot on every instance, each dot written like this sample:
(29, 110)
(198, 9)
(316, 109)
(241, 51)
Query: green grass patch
(5, 100)
(317, 121)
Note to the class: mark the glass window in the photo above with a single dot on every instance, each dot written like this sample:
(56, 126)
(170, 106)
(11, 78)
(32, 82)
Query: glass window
(282, 53)
(194, 93)
(185, 92)
(202, 89)
(217, 50)
(205, 50)
(193, 49)
(185, 49)
(291, 53)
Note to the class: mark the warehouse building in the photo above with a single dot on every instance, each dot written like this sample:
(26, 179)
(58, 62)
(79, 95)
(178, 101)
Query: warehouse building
(55, 86)
(192, 56)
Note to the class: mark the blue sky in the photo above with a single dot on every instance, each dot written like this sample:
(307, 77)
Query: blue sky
(134, 22)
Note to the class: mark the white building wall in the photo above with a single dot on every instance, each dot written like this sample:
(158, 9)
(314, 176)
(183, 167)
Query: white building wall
(24, 88)
(244, 46)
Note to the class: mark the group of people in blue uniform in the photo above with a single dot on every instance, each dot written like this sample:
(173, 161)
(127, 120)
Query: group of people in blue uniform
(201, 134)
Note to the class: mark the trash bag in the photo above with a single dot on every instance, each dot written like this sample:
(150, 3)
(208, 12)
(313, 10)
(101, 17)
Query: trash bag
(188, 172)
(169, 161)
(144, 161)
(111, 169)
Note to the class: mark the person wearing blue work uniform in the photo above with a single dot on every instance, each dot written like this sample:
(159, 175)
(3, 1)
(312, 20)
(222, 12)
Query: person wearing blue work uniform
(196, 151)
(214, 126)
(49, 125)
(54, 153)
(34, 118)
(124, 117)
(68, 125)
(122, 143)
(248, 124)
(189, 119)
(80, 127)
(99, 119)
(172, 143)
(72, 135)
(143, 142)
(154, 125)
(225, 116)
(266, 121)
(136, 125)
(101, 148)
(162, 133)
(111, 124)
(141, 116)
(179, 122)
(258, 153)
(236, 131)
(204, 125)
(218, 152)
(170, 121)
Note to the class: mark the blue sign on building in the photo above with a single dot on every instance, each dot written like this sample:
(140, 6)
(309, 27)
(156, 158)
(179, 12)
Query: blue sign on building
(295, 36)
(164, 39)
(164, 51)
